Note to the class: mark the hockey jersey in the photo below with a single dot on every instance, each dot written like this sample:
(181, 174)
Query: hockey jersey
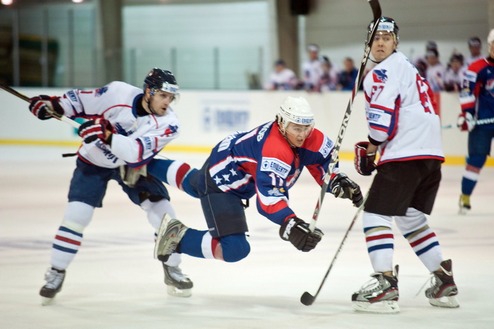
(261, 162)
(136, 140)
(477, 95)
(400, 113)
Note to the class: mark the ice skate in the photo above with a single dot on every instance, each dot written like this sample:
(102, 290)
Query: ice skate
(443, 289)
(178, 284)
(464, 204)
(54, 280)
(379, 295)
(169, 235)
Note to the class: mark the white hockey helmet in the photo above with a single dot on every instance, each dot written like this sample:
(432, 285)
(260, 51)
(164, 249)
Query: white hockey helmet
(296, 110)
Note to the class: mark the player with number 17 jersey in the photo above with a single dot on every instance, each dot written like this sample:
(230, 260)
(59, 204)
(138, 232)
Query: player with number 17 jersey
(400, 113)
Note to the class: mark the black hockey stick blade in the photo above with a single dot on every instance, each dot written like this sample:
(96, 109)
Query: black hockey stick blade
(14, 92)
(376, 9)
(307, 299)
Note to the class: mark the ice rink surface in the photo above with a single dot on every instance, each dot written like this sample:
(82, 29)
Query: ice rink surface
(114, 282)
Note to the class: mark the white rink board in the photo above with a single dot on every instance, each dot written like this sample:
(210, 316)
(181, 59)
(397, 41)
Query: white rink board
(208, 116)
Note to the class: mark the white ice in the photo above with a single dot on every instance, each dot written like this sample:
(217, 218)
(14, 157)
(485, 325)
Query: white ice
(114, 282)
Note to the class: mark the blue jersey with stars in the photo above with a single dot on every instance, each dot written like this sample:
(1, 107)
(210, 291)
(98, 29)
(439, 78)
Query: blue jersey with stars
(477, 96)
(261, 162)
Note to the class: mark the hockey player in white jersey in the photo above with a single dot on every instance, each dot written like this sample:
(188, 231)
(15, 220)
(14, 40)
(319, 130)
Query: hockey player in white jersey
(127, 127)
(406, 131)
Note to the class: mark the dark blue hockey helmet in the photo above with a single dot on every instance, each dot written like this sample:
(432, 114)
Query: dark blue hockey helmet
(158, 79)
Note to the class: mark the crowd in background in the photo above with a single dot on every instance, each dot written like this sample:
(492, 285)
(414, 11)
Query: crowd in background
(320, 75)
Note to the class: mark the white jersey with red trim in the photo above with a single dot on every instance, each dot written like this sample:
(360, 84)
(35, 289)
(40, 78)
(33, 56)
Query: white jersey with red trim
(399, 112)
(136, 139)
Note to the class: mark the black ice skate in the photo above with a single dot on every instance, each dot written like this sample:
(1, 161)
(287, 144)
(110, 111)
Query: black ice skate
(178, 284)
(443, 289)
(379, 295)
(54, 280)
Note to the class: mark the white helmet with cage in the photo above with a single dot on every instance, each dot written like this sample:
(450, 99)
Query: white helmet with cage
(296, 110)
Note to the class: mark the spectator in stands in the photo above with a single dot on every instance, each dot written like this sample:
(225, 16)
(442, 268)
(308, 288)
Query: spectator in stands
(329, 78)
(312, 68)
(475, 48)
(421, 61)
(435, 70)
(453, 77)
(282, 78)
(347, 76)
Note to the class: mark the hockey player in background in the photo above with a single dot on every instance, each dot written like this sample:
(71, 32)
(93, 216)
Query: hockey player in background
(405, 129)
(264, 162)
(128, 126)
(477, 117)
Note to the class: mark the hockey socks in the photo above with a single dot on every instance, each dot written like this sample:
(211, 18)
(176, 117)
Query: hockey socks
(173, 172)
(202, 244)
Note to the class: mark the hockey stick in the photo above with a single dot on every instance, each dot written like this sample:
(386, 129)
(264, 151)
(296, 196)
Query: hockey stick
(57, 116)
(376, 12)
(477, 123)
(308, 299)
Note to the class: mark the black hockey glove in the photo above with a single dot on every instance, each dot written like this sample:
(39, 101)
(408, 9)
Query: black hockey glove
(42, 105)
(297, 232)
(343, 187)
(364, 163)
(94, 129)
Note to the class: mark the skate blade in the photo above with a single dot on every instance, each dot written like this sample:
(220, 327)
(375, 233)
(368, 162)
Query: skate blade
(46, 301)
(161, 231)
(389, 307)
(446, 302)
(174, 291)
(463, 211)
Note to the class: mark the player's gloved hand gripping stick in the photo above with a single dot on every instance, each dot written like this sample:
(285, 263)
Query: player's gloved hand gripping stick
(42, 106)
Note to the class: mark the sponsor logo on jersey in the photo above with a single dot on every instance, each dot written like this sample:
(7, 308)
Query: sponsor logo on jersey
(148, 144)
(170, 130)
(276, 192)
(326, 147)
(275, 166)
(121, 131)
(100, 91)
(263, 130)
(72, 96)
(489, 86)
(225, 143)
(373, 116)
(379, 76)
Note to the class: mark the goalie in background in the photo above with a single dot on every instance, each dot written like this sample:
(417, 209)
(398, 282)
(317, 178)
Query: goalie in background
(477, 104)
(128, 126)
(264, 162)
(405, 129)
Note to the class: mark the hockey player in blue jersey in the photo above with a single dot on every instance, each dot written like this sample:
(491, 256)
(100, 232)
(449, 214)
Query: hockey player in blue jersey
(264, 162)
(477, 117)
